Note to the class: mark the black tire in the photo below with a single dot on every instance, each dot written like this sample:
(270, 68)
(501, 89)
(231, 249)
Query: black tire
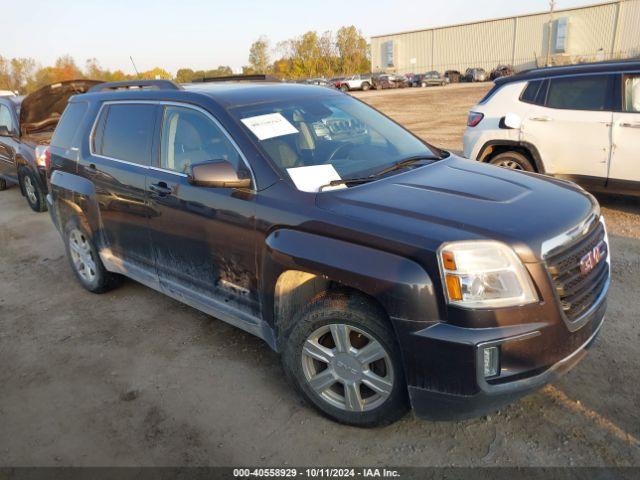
(512, 160)
(102, 280)
(32, 190)
(356, 312)
(3, 184)
(344, 88)
(365, 86)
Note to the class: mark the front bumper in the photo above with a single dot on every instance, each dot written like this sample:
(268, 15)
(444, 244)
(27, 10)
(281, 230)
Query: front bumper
(448, 383)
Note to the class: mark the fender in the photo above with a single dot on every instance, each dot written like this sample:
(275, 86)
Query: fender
(535, 154)
(401, 286)
(73, 194)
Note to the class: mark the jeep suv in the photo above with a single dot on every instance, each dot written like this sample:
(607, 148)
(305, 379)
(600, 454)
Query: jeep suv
(581, 123)
(388, 273)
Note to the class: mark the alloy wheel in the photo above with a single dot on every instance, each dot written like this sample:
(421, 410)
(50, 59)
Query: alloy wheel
(82, 255)
(347, 367)
(30, 190)
(510, 164)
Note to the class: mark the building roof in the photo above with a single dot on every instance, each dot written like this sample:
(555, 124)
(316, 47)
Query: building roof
(594, 5)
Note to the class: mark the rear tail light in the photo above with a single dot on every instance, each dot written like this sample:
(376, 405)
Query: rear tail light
(474, 119)
(43, 156)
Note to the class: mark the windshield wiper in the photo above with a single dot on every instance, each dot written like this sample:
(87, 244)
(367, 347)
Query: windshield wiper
(396, 166)
(403, 163)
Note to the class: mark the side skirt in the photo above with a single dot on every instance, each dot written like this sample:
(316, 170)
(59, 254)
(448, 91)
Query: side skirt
(210, 306)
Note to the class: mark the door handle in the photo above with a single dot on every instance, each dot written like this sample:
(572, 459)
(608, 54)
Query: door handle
(630, 125)
(161, 189)
(542, 118)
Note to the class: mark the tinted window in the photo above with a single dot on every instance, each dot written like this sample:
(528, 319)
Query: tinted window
(530, 93)
(127, 133)
(632, 93)
(189, 137)
(5, 118)
(68, 124)
(580, 93)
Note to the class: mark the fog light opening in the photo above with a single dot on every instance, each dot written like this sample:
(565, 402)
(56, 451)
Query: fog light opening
(491, 356)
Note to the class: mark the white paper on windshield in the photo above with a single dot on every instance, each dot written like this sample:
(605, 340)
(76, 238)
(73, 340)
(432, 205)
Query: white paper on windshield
(269, 126)
(310, 179)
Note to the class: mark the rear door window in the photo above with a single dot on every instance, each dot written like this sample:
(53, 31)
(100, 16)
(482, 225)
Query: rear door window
(530, 93)
(68, 124)
(125, 132)
(590, 92)
(631, 85)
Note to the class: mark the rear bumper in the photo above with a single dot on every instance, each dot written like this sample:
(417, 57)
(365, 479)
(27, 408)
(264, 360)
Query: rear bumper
(437, 405)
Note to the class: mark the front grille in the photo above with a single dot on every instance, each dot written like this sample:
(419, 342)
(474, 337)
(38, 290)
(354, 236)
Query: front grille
(578, 291)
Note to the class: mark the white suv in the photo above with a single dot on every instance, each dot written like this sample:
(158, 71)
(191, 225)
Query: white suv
(579, 122)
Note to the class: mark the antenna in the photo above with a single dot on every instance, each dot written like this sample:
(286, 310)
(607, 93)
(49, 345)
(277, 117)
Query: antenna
(134, 66)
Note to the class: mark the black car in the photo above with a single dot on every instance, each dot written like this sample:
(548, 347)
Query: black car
(388, 273)
(432, 78)
(26, 126)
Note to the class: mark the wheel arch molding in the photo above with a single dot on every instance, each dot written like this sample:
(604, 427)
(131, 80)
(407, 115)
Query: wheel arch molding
(399, 285)
(73, 195)
(494, 147)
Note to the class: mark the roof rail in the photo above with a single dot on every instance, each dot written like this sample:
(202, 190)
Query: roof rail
(127, 84)
(237, 78)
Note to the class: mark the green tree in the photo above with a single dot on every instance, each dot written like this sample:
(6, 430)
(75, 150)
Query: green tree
(184, 75)
(259, 56)
(353, 50)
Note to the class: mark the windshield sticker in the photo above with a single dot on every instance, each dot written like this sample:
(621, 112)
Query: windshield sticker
(269, 126)
(310, 179)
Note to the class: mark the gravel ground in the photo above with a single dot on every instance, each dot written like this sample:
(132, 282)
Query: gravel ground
(134, 378)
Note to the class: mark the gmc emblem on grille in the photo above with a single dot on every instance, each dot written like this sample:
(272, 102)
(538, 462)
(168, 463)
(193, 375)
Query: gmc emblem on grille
(593, 257)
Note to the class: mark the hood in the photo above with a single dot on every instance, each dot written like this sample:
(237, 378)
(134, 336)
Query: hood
(42, 109)
(459, 199)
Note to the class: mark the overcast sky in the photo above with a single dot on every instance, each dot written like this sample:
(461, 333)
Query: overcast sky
(204, 34)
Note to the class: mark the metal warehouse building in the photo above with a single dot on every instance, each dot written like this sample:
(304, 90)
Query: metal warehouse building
(597, 32)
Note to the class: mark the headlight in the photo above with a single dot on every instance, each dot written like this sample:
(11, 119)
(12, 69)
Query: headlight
(484, 274)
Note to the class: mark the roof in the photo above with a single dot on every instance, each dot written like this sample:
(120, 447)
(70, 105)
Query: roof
(226, 94)
(524, 15)
(581, 68)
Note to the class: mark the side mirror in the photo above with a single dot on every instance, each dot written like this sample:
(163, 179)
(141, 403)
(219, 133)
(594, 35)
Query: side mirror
(217, 174)
(511, 120)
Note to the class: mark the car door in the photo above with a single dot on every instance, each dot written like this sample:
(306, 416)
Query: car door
(120, 155)
(203, 238)
(572, 127)
(625, 157)
(7, 142)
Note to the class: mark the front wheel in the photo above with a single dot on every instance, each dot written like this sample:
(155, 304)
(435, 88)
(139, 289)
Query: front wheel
(341, 354)
(513, 161)
(344, 88)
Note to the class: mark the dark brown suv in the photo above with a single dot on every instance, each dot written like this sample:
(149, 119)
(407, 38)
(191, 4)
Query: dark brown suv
(388, 273)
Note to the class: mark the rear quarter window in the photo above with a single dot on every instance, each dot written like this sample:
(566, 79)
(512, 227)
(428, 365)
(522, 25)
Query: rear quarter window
(531, 91)
(68, 125)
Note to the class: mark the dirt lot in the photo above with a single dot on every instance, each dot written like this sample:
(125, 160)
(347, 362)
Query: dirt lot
(135, 378)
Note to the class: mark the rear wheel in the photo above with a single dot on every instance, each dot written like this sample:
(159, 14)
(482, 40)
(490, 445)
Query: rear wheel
(344, 87)
(32, 190)
(365, 86)
(85, 261)
(512, 160)
(341, 354)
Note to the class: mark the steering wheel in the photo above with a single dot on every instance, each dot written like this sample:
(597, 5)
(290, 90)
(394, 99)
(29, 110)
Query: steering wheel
(344, 147)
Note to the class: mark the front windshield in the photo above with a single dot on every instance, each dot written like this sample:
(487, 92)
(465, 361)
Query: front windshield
(330, 131)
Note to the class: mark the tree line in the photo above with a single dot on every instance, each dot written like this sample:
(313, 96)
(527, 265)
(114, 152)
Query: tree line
(310, 55)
